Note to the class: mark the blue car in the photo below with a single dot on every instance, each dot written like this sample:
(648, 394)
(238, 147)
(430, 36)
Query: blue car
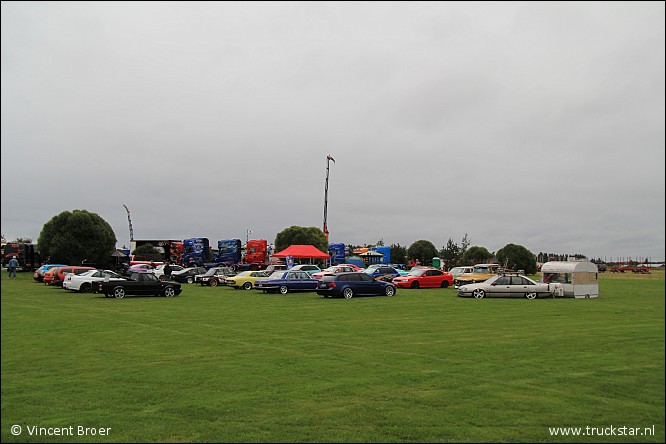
(286, 281)
(383, 272)
(352, 284)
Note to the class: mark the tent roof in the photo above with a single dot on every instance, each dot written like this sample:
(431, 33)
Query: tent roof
(302, 251)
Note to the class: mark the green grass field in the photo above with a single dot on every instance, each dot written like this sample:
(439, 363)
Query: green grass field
(220, 365)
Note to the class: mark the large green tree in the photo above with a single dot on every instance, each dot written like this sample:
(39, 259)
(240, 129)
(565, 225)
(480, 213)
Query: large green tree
(451, 254)
(398, 254)
(517, 257)
(476, 255)
(423, 250)
(71, 237)
(296, 235)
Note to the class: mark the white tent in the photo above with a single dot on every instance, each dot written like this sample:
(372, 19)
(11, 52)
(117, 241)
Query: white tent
(577, 279)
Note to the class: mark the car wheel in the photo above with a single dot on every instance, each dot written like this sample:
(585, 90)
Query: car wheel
(390, 290)
(284, 289)
(479, 294)
(119, 292)
(190, 279)
(415, 284)
(248, 286)
(169, 292)
(531, 295)
(86, 288)
(348, 293)
(213, 282)
(445, 284)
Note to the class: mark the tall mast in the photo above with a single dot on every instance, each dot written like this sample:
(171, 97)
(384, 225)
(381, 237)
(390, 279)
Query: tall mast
(130, 223)
(328, 161)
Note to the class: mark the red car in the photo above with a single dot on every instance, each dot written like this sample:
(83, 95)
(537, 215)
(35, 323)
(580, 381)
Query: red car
(424, 278)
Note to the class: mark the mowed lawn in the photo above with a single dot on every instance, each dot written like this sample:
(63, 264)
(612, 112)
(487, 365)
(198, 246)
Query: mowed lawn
(221, 365)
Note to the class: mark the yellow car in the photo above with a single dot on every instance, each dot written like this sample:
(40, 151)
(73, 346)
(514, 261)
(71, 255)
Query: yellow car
(245, 279)
(480, 273)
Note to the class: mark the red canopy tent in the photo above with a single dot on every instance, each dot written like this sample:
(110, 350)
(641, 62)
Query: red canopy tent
(302, 251)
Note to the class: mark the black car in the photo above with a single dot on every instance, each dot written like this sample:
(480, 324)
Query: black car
(187, 275)
(353, 284)
(215, 276)
(139, 284)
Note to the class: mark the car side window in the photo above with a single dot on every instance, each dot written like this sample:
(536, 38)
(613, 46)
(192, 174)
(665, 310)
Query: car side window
(365, 278)
(517, 280)
(504, 280)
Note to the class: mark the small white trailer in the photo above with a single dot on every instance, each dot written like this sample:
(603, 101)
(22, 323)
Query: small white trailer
(572, 279)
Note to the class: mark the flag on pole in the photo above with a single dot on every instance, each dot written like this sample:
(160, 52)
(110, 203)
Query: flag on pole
(329, 157)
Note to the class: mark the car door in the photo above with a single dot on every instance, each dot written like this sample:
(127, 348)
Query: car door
(433, 278)
(148, 284)
(520, 286)
(501, 288)
(301, 280)
(365, 284)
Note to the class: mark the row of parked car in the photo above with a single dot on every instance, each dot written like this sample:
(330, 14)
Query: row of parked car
(336, 281)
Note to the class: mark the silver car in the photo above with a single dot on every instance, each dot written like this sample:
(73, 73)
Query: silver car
(506, 286)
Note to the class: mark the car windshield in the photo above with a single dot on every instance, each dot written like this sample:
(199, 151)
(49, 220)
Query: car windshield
(211, 272)
(490, 280)
(277, 275)
(417, 272)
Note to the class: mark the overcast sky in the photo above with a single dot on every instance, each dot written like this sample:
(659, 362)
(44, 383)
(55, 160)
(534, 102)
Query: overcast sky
(539, 124)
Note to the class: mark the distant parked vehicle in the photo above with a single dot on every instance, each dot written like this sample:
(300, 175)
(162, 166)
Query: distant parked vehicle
(333, 270)
(459, 271)
(382, 272)
(159, 270)
(287, 281)
(38, 275)
(86, 282)
(508, 286)
(139, 268)
(480, 273)
(348, 285)
(215, 276)
(308, 268)
(56, 275)
(139, 284)
(187, 275)
(246, 279)
(424, 278)
(275, 267)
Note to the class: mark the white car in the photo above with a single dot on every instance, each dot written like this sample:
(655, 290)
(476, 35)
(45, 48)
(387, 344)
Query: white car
(84, 282)
(159, 271)
(308, 268)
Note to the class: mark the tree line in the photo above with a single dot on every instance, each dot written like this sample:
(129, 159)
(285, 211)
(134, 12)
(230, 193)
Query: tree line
(71, 237)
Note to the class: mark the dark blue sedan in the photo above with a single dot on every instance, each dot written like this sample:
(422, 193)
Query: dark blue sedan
(286, 281)
(353, 284)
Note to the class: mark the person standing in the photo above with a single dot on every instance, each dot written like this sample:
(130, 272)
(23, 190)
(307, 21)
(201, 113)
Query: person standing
(12, 265)
(167, 271)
